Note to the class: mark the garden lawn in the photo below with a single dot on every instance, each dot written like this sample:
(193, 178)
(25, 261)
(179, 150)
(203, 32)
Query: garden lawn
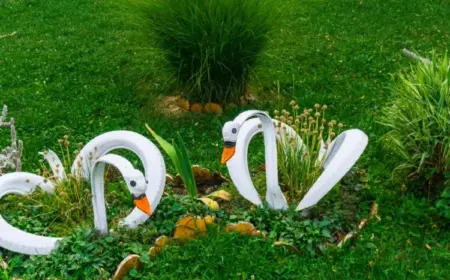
(80, 68)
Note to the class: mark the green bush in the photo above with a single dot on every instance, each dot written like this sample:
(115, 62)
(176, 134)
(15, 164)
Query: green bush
(212, 45)
(418, 120)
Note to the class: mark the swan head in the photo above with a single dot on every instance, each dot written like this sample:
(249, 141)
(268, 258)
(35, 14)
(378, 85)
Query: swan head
(138, 185)
(230, 132)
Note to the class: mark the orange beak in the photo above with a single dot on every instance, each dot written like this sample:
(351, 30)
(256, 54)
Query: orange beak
(143, 204)
(228, 152)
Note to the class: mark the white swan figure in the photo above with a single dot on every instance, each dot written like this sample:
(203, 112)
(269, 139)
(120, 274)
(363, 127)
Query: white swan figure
(16, 240)
(235, 140)
(342, 154)
(146, 189)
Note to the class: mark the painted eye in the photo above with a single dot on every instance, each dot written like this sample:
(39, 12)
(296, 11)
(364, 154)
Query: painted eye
(234, 130)
(133, 183)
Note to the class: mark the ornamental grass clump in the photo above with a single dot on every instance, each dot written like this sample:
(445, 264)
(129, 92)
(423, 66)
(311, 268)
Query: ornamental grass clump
(212, 45)
(418, 120)
(300, 158)
(71, 203)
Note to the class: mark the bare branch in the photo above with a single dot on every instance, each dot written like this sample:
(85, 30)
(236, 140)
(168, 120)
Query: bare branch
(10, 157)
(416, 56)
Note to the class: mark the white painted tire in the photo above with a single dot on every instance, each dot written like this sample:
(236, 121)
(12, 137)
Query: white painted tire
(340, 157)
(22, 183)
(150, 156)
(14, 239)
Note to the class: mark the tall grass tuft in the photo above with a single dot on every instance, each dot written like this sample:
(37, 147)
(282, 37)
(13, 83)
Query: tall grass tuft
(299, 160)
(419, 123)
(212, 44)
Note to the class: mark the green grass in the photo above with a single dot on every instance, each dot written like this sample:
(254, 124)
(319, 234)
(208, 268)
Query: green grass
(85, 67)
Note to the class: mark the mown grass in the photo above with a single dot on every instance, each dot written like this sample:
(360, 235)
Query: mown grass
(84, 67)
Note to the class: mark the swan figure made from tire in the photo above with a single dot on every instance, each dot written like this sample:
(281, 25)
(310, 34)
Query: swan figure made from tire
(146, 188)
(337, 160)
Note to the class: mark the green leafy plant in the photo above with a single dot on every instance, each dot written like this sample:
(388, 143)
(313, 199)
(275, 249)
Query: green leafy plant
(82, 255)
(418, 123)
(212, 45)
(443, 203)
(299, 160)
(180, 159)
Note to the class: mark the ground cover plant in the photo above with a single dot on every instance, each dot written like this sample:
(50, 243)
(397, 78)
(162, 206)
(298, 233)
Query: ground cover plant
(80, 68)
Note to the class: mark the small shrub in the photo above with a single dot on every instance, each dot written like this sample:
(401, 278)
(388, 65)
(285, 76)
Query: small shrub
(418, 123)
(299, 164)
(212, 44)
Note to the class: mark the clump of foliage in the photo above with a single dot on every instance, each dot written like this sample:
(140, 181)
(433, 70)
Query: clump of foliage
(82, 255)
(212, 45)
(443, 204)
(178, 154)
(418, 123)
(300, 160)
(85, 254)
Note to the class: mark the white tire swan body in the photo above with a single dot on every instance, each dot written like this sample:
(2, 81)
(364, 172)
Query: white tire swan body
(233, 139)
(14, 239)
(341, 155)
(146, 189)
